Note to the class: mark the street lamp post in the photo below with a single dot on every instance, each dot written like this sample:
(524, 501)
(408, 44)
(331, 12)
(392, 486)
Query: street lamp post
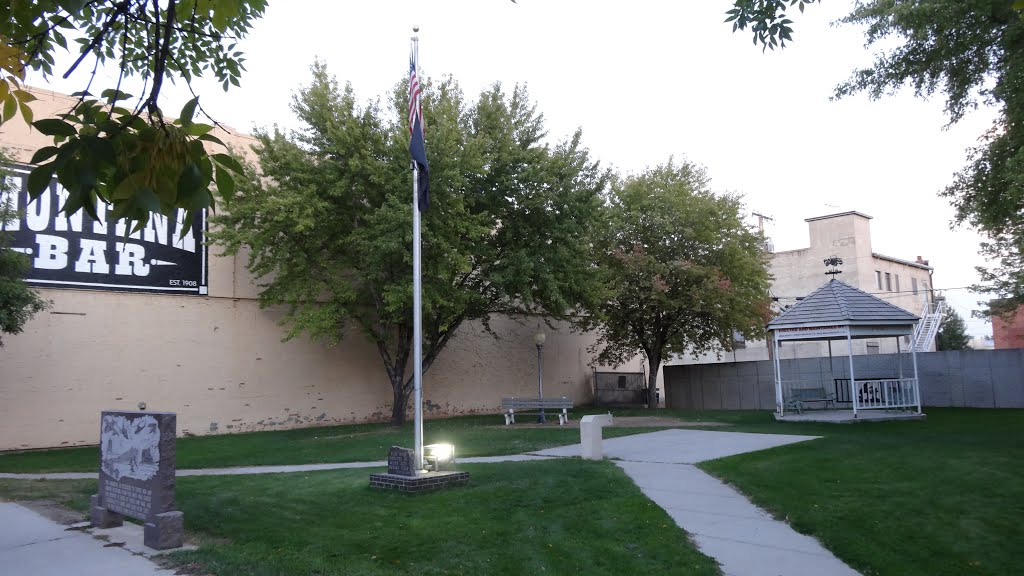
(538, 340)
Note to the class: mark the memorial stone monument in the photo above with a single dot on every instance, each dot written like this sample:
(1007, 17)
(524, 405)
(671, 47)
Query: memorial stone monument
(403, 476)
(400, 461)
(137, 474)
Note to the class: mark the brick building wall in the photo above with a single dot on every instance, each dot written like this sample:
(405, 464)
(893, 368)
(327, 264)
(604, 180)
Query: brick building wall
(1009, 333)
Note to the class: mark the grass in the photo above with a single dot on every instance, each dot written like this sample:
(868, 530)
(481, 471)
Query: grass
(72, 494)
(542, 517)
(472, 436)
(940, 497)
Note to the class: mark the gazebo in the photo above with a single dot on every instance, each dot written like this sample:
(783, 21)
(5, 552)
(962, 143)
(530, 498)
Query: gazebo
(838, 311)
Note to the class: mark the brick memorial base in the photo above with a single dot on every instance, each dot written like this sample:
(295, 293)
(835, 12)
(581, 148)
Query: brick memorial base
(422, 483)
(402, 475)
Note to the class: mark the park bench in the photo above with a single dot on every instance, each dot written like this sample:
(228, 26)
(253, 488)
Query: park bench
(526, 405)
(799, 396)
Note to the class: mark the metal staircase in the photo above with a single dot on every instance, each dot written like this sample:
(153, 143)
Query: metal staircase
(928, 326)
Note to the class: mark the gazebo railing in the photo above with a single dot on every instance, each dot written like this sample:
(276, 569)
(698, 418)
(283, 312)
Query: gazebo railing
(808, 384)
(884, 394)
(789, 385)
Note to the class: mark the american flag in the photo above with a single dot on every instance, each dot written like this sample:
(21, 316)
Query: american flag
(417, 147)
(415, 91)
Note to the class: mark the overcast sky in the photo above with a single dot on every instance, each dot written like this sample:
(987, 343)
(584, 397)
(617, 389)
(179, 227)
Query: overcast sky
(646, 80)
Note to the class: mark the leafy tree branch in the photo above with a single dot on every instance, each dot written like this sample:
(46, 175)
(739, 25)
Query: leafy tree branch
(134, 159)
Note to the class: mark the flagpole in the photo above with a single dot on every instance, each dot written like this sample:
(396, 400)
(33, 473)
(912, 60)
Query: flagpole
(417, 286)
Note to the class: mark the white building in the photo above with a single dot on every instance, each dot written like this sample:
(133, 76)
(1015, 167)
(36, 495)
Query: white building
(797, 273)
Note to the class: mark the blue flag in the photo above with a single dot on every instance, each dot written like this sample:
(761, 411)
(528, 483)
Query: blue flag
(417, 147)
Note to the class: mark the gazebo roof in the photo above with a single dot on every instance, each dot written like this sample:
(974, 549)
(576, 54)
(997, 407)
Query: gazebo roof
(838, 304)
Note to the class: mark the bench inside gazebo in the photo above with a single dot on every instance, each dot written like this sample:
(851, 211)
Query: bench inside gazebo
(838, 311)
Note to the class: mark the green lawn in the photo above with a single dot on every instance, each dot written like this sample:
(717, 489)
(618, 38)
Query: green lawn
(472, 436)
(543, 517)
(940, 497)
(73, 494)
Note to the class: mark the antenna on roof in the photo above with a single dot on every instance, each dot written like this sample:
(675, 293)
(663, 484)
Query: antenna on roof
(760, 220)
(768, 245)
(834, 262)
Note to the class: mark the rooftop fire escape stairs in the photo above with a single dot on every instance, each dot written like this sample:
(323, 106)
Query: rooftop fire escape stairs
(928, 326)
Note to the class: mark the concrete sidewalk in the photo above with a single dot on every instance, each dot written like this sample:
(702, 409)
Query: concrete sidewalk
(33, 544)
(282, 469)
(678, 446)
(745, 540)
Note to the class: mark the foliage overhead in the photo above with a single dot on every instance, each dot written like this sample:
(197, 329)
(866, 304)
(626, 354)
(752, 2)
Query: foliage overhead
(681, 270)
(18, 302)
(973, 53)
(953, 333)
(328, 220)
(766, 19)
(119, 149)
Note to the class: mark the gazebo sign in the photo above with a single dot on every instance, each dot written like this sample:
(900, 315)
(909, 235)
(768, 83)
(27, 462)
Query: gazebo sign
(812, 332)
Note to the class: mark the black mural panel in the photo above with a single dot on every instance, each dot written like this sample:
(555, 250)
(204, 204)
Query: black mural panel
(80, 252)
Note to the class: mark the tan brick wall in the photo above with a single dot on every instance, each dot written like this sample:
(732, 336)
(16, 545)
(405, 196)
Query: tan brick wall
(219, 363)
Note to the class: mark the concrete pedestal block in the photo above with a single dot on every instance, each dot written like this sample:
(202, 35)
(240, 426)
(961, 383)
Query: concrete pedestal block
(100, 517)
(167, 530)
(590, 435)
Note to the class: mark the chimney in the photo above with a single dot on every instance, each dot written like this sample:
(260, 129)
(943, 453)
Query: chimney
(922, 261)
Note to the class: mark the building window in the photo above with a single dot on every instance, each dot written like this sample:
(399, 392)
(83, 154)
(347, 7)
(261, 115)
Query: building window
(913, 285)
(872, 347)
(888, 282)
(878, 279)
(897, 282)
(738, 341)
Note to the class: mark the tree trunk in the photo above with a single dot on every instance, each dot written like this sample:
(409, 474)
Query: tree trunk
(399, 402)
(653, 364)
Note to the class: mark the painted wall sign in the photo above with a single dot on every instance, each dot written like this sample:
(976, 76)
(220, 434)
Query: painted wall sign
(80, 252)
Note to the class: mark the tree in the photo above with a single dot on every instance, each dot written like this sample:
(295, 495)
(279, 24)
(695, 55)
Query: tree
(681, 272)
(328, 219)
(953, 333)
(18, 302)
(971, 51)
(118, 149)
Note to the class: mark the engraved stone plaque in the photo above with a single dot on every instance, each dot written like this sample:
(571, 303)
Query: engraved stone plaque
(137, 473)
(401, 461)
